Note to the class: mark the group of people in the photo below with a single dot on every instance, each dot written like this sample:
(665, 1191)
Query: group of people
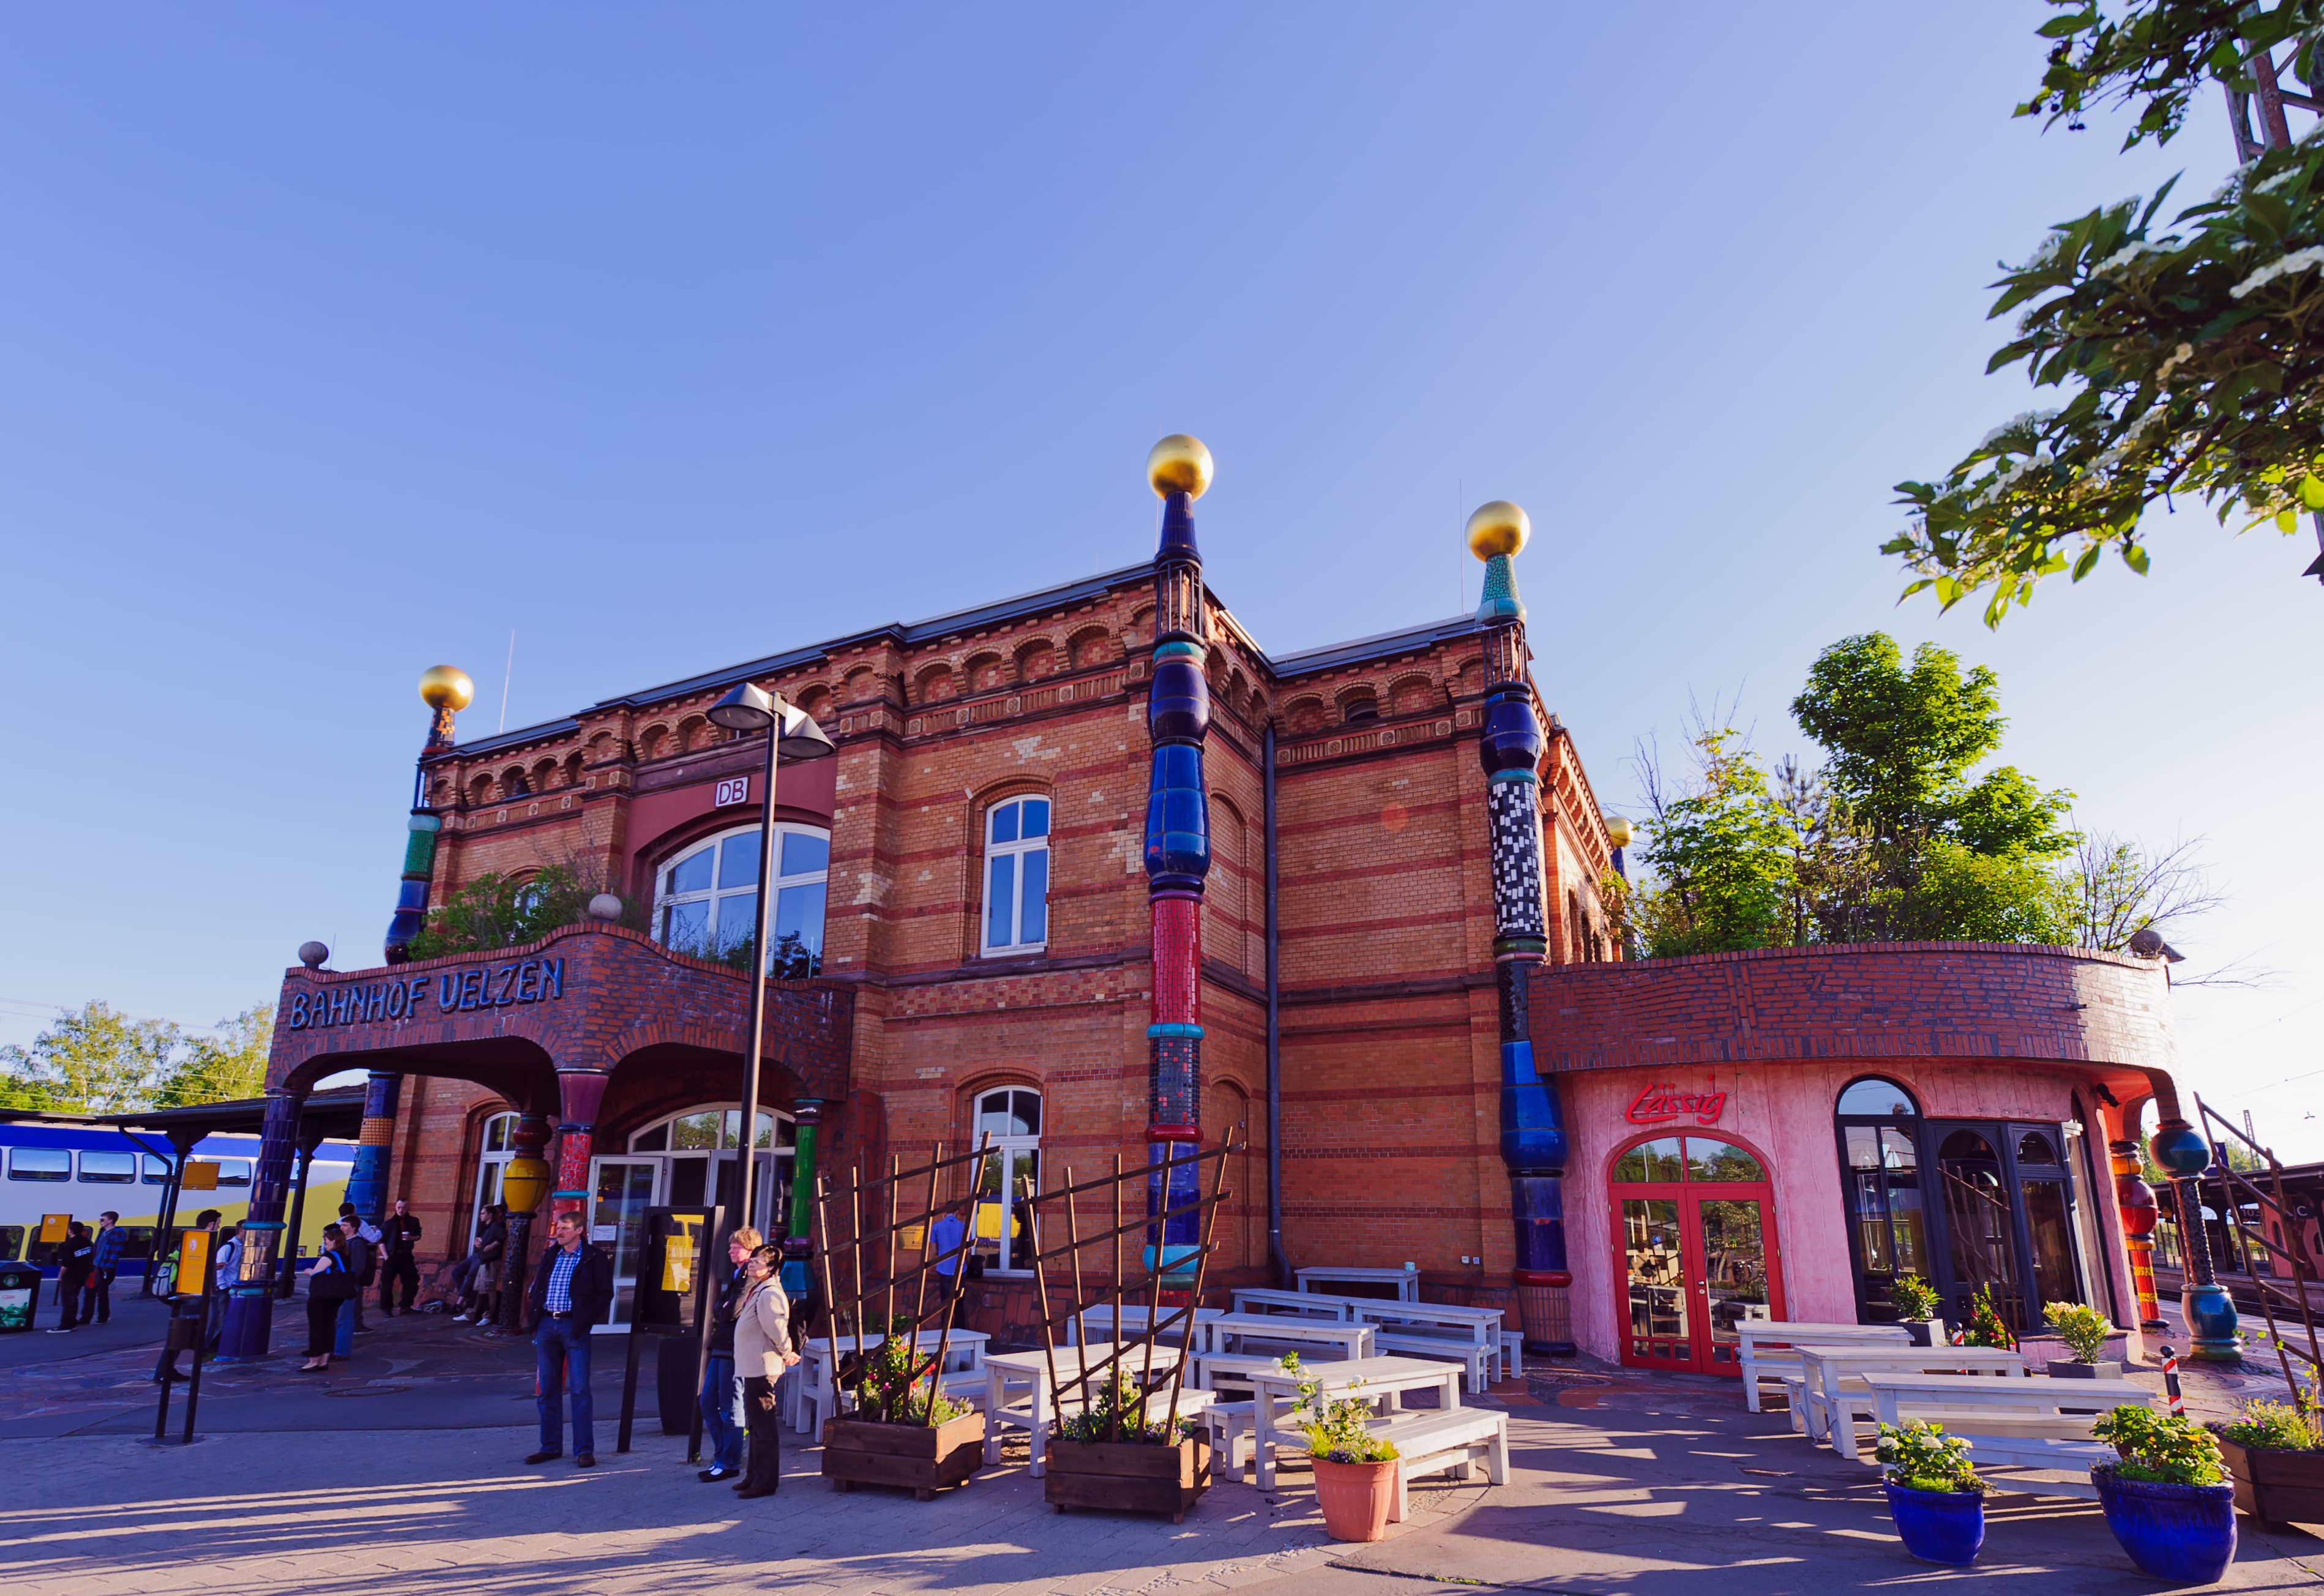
(86, 1266)
(352, 1256)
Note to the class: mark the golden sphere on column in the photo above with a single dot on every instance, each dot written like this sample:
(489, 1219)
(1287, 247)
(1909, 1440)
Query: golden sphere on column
(1618, 831)
(1498, 527)
(445, 686)
(1179, 463)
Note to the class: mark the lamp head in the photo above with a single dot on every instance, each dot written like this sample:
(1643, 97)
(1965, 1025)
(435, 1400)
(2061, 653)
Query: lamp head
(445, 686)
(1179, 463)
(802, 739)
(747, 708)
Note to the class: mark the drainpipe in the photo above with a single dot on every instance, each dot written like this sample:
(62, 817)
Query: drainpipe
(1275, 1252)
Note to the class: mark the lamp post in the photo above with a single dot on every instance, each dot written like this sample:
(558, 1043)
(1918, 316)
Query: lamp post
(791, 733)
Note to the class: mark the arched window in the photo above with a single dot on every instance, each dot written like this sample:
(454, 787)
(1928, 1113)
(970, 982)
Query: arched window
(1016, 876)
(1012, 1115)
(1879, 1157)
(497, 1147)
(707, 900)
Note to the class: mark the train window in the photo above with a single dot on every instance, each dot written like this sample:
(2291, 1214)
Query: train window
(233, 1172)
(140, 1243)
(157, 1170)
(39, 1163)
(12, 1242)
(109, 1168)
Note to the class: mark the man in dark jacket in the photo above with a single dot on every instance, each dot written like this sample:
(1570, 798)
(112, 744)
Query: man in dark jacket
(398, 1236)
(571, 1291)
(75, 1262)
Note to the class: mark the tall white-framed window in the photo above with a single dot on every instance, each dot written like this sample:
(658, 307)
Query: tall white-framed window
(1012, 1115)
(706, 899)
(498, 1148)
(1016, 876)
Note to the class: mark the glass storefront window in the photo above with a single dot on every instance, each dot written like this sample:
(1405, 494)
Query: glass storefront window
(1652, 1160)
(1710, 1160)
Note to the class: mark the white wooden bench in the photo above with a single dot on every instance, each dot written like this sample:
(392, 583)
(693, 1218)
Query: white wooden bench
(1234, 1445)
(1760, 1362)
(1512, 1355)
(1452, 1443)
(1234, 1367)
(1469, 1355)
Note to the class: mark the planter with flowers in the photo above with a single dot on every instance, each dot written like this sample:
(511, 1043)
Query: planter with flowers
(1934, 1495)
(2166, 1497)
(1985, 1327)
(903, 1432)
(2275, 1453)
(1355, 1469)
(2084, 1330)
(1111, 1456)
(1915, 1302)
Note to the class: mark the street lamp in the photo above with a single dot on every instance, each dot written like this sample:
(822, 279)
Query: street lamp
(792, 734)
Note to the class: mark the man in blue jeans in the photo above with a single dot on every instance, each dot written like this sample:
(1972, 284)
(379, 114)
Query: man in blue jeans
(571, 1291)
(721, 1397)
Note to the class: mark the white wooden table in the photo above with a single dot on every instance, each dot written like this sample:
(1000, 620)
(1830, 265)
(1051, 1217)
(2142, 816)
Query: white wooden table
(1028, 1374)
(1228, 1331)
(1306, 1305)
(812, 1390)
(1406, 1281)
(1098, 1321)
(1381, 1378)
(1836, 1390)
(1756, 1335)
(2018, 1423)
(1473, 1335)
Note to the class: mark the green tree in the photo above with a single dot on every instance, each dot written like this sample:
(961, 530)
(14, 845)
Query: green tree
(504, 909)
(220, 1068)
(1720, 857)
(93, 1060)
(2189, 351)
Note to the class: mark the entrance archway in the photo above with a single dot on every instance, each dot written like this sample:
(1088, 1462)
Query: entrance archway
(1695, 1251)
(690, 1157)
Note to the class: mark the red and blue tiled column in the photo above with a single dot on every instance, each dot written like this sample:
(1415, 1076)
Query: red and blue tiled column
(1532, 1126)
(1177, 851)
(579, 1094)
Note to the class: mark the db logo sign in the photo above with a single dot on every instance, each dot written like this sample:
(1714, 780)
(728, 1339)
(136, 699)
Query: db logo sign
(736, 791)
(1657, 1105)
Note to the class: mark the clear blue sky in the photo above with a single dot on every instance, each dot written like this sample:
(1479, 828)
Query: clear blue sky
(337, 342)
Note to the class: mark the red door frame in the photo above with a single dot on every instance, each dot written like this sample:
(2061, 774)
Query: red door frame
(1688, 1194)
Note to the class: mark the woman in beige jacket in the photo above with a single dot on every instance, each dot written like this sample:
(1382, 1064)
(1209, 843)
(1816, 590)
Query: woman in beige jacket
(762, 1350)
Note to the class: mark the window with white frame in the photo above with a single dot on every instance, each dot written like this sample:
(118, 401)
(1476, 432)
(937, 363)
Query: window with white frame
(498, 1149)
(1011, 1115)
(1016, 876)
(707, 900)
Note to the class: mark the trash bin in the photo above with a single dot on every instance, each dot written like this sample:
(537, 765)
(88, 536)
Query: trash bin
(20, 1296)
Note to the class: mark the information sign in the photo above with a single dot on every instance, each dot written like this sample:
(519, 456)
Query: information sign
(194, 1263)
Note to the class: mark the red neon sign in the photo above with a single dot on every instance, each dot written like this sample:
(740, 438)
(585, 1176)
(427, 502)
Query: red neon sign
(1658, 1105)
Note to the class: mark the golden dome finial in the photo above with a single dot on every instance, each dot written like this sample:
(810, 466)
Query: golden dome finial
(1498, 527)
(1179, 463)
(445, 686)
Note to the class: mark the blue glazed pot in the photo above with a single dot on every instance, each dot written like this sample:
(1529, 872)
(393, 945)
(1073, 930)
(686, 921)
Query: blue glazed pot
(2185, 1534)
(1944, 1527)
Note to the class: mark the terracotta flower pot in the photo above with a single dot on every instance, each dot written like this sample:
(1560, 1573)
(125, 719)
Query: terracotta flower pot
(1355, 1497)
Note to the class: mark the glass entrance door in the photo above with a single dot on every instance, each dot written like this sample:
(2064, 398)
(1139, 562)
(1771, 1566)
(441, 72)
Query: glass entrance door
(621, 1190)
(1696, 1252)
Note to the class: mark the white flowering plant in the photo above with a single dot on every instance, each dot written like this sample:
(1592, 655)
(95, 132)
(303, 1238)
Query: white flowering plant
(2191, 351)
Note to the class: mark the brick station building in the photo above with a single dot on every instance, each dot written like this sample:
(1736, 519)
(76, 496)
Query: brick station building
(971, 943)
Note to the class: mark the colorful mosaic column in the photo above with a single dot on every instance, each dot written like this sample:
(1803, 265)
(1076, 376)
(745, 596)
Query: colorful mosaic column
(1533, 1130)
(579, 1094)
(799, 1249)
(445, 691)
(2205, 1308)
(1177, 846)
(2139, 1213)
(250, 1296)
(367, 1179)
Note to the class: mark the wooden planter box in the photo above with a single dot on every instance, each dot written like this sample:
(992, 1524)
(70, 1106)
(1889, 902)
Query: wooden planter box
(920, 1458)
(2286, 1487)
(1128, 1476)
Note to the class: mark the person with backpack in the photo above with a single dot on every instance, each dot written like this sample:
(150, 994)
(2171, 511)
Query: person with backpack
(190, 1307)
(360, 1241)
(330, 1286)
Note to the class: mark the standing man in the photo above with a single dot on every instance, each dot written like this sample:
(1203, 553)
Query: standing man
(401, 1233)
(721, 1397)
(571, 1292)
(945, 1240)
(185, 1307)
(97, 1299)
(363, 1248)
(76, 1262)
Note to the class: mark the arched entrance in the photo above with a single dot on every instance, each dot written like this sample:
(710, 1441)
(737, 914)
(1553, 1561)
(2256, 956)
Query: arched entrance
(681, 1160)
(1695, 1249)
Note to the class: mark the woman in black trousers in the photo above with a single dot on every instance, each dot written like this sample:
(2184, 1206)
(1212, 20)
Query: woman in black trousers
(762, 1350)
(323, 1311)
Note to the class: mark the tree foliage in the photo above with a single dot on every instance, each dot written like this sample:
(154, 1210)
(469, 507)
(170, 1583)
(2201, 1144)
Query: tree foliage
(222, 1067)
(95, 1061)
(2186, 350)
(504, 910)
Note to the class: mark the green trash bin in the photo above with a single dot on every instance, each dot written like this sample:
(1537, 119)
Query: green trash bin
(20, 1296)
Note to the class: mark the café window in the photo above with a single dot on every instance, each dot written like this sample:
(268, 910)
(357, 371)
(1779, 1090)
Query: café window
(707, 900)
(1016, 876)
(1879, 1126)
(1011, 1116)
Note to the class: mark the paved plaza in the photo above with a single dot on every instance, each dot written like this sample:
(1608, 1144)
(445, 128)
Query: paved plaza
(401, 1474)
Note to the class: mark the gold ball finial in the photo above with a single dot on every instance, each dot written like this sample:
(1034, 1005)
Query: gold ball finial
(445, 686)
(1179, 463)
(1498, 528)
(1618, 831)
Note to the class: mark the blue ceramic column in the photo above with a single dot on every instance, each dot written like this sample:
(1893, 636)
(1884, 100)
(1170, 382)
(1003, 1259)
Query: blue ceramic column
(2203, 1303)
(1177, 846)
(1533, 1128)
(367, 1179)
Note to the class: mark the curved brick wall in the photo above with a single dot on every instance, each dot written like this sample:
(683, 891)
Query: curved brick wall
(1996, 1000)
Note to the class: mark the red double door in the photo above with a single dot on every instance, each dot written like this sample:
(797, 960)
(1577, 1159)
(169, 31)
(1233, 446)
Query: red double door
(1694, 1251)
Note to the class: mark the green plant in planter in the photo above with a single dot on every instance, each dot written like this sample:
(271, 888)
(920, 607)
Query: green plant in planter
(1921, 1457)
(1118, 1400)
(898, 1387)
(1912, 1297)
(2277, 1427)
(1338, 1431)
(2082, 1328)
(1985, 1328)
(2167, 1448)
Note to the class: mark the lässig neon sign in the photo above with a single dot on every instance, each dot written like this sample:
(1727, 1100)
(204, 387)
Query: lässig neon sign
(1661, 1103)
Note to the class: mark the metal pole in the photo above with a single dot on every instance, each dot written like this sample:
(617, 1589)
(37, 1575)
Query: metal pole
(1275, 1252)
(758, 973)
